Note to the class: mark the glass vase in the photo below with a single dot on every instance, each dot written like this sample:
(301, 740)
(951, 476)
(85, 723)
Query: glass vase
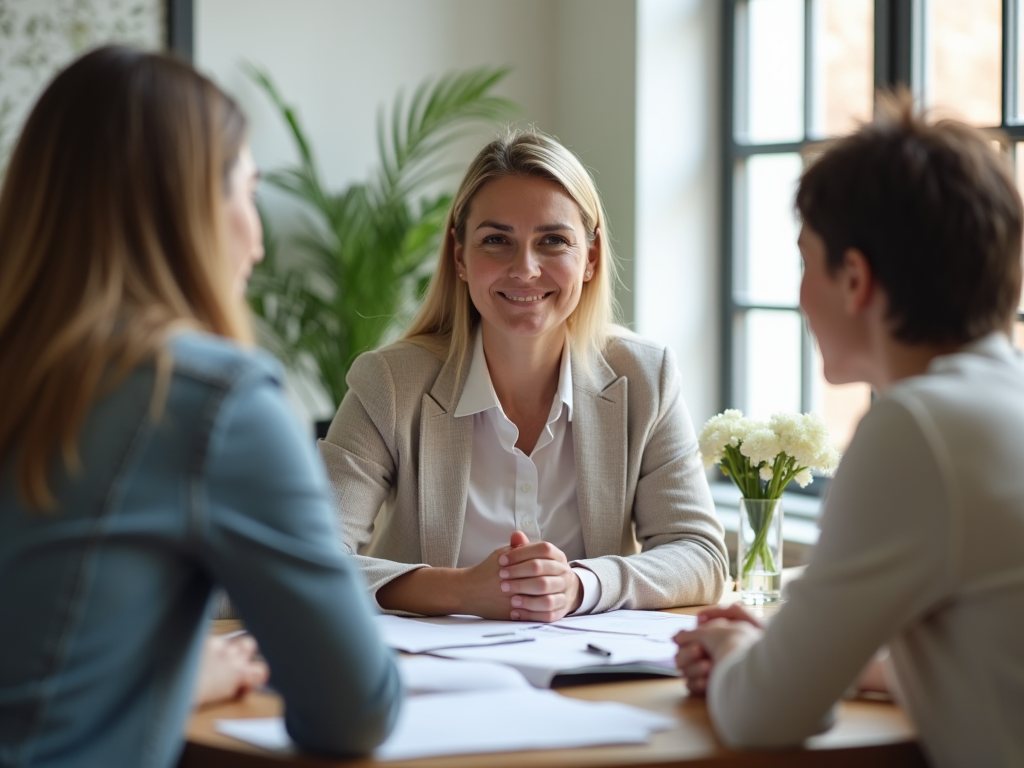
(759, 551)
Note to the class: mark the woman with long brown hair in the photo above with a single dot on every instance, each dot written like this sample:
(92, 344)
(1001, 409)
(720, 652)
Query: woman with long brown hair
(146, 453)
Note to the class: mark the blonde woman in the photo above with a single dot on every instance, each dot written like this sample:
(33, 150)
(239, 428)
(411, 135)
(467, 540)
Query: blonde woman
(146, 451)
(506, 457)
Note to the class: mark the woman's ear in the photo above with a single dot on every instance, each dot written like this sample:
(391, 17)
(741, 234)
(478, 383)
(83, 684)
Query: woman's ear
(457, 255)
(593, 256)
(858, 281)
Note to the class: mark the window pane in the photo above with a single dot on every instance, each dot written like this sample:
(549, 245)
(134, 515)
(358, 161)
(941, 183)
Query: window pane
(843, 65)
(841, 406)
(1018, 161)
(772, 362)
(1018, 156)
(770, 271)
(1019, 8)
(963, 58)
(774, 103)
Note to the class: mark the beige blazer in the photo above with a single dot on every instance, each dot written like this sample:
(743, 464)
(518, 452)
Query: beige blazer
(399, 465)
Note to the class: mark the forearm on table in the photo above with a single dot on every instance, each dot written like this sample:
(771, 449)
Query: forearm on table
(667, 576)
(427, 591)
(683, 545)
(757, 708)
(872, 677)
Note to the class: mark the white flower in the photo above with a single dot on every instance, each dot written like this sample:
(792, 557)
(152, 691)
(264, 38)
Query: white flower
(788, 445)
(803, 478)
(805, 438)
(761, 445)
(727, 428)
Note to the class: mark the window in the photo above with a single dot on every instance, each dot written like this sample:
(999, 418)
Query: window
(798, 71)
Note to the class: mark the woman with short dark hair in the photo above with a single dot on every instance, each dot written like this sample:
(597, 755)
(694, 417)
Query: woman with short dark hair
(911, 245)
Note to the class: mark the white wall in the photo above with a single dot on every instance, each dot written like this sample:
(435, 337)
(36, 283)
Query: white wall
(594, 112)
(339, 61)
(627, 84)
(677, 189)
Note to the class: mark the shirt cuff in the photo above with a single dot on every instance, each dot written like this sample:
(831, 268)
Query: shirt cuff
(591, 590)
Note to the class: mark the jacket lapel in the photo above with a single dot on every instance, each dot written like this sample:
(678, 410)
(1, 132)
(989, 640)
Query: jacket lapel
(599, 430)
(446, 446)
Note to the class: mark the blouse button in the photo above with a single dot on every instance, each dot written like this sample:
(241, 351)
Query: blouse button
(526, 486)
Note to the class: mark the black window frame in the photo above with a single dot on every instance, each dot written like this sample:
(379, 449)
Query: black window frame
(898, 39)
(180, 37)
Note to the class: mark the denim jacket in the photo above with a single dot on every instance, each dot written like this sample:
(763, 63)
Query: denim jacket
(102, 600)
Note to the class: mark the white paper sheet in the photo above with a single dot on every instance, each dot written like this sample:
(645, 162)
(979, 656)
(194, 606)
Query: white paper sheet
(552, 653)
(425, 635)
(490, 721)
(429, 674)
(265, 732)
(626, 622)
(466, 723)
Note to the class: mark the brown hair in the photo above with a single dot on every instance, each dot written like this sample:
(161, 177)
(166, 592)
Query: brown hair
(110, 234)
(447, 319)
(934, 208)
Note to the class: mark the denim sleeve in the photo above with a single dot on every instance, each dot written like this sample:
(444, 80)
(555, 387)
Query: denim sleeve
(269, 538)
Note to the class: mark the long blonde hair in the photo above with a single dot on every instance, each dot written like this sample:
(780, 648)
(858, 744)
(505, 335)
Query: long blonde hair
(446, 321)
(110, 234)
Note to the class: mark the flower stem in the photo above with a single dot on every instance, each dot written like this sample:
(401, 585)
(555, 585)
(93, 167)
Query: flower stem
(761, 522)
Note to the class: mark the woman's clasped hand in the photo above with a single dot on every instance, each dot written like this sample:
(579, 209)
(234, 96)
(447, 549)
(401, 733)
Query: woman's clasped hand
(721, 630)
(524, 581)
(230, 668)
(538, 580)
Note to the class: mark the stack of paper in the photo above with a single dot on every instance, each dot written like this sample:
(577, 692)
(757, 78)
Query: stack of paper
(555, 652)
(479, 698)
(486, 721)
(621, 642)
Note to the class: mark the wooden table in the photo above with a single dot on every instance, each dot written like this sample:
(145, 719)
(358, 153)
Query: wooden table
(866, 733)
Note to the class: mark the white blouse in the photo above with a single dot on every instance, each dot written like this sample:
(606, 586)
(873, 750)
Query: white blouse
(512, 491)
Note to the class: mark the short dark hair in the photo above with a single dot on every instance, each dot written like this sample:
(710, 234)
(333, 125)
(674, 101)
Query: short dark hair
(933, 207)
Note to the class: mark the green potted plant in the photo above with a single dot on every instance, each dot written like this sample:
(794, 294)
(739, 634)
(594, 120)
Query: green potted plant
(361, 268)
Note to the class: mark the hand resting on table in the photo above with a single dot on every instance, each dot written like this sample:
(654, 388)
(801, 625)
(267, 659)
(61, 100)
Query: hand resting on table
(521, 582)
(229, 669)
(721, 630)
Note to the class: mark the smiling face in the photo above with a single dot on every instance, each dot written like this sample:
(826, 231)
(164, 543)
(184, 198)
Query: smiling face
(244, 230)
(525, 258)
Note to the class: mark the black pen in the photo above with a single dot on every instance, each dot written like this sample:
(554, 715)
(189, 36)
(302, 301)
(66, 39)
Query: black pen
(591, 648)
